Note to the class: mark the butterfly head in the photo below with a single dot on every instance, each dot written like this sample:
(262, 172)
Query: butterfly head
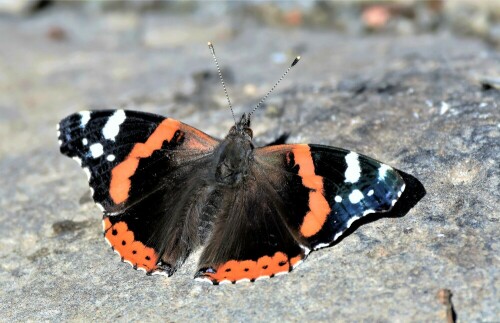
(236, 153)
(242, 128)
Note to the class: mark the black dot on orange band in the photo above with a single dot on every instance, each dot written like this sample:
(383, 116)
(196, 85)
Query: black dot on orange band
(134, 252)
(282, 263)
(228, 270)
(246, 269)
(148, 258)
(265, 267)
(123, 242)
(114, 232)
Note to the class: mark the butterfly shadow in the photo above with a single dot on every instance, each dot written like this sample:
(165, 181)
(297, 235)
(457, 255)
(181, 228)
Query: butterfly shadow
(412, 194)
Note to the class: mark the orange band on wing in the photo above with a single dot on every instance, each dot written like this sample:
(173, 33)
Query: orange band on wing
(318, 205)
(122, 240)
(120, 175)
(269, 266)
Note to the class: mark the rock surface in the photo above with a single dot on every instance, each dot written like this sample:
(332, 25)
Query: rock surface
(413, 102)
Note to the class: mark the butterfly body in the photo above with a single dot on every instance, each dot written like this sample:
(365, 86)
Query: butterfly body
(167, 189)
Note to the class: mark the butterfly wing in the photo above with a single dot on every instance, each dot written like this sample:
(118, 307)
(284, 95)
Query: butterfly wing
(328, 188)
(249, 240)
(112, 146)
(135, 161)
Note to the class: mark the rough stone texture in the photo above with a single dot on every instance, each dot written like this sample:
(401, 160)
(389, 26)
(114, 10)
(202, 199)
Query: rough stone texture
(412, 102)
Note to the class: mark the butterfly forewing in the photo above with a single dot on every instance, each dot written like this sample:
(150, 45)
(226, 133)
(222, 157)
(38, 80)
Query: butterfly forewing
(329, 187)
(142, 170)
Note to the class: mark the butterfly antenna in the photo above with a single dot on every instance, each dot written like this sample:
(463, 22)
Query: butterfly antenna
(295, 61)
(221, 79)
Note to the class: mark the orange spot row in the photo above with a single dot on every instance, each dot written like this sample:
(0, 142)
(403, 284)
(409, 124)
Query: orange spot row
(120, 175)
(318, 205)
(122, 240)
(234, 270)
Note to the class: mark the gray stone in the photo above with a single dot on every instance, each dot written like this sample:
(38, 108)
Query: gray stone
(412, 102)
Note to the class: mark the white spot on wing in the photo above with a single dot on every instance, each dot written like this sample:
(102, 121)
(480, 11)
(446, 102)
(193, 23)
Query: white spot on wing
(368, 212)
(351, 220)
(338, 235)
(203, 280)
(85, 118)
(402, 190)
(338, 199)
(60, 142)
(321, 245)
(100, 207)
(96, 150)
(370, 192)
(355, 196)
(353, 171)
(85, 142)
(383, 170)
(110, 157)
(243, 280)
(112, 127)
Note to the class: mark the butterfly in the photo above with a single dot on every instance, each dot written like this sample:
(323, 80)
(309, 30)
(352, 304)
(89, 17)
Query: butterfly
(167, 189)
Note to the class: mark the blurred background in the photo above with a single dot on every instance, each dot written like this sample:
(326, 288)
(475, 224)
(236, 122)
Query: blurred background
(153, 53)
(137, 21)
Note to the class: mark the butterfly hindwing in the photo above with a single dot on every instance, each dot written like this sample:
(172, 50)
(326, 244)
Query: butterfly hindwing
(159, 232)
(328, 188)
(250, 240)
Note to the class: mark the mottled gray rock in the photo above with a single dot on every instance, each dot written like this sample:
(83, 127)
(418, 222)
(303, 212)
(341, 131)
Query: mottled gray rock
(413, 102)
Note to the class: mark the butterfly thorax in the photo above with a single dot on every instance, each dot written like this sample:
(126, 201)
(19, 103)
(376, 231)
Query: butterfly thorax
(235, 154)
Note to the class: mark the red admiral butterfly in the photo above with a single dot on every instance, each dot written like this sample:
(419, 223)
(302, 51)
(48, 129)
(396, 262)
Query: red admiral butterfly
(166, 188)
